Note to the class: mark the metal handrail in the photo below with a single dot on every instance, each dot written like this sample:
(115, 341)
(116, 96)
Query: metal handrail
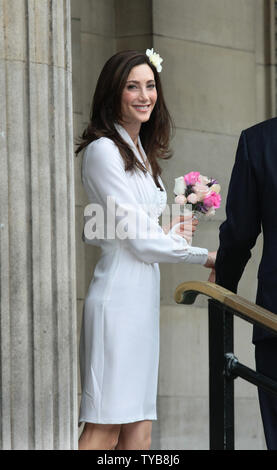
(224, 367)
(187, 292)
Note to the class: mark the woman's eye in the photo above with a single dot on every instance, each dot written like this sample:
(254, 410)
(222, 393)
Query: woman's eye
(132, 87)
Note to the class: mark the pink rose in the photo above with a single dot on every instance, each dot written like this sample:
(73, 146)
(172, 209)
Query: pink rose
(192, 177)
(181, 199)
(201, 190)
(192, 198)
(212, 200)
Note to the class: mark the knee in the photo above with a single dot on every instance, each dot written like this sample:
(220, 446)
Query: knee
(143, 442)
(135, 442)
(147, 442)
(101, 437)
(112, 438)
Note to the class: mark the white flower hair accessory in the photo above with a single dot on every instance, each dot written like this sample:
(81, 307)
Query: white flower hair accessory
(155, 59)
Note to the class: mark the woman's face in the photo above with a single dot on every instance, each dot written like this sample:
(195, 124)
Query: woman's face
(139, 95)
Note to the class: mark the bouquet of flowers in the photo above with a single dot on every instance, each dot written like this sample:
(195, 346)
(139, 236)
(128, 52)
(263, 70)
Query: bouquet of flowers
(199, 191)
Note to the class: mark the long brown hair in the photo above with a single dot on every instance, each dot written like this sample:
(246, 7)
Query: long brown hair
(155, 134)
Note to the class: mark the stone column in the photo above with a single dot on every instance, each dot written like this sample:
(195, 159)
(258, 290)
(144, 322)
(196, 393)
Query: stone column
(38, 380)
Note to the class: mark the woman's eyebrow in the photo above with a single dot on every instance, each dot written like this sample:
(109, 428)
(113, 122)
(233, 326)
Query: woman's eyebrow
(136, 81)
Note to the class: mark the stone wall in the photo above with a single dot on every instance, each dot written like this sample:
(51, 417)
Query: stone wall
(216, 78)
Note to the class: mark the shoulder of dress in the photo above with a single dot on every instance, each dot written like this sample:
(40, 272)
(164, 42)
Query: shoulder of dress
(102, 152)
(101, 148)
(101, 143)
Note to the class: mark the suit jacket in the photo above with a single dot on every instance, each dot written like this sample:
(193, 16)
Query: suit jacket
(251, 207)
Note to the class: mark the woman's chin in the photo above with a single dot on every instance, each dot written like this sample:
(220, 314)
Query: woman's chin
(144, 118)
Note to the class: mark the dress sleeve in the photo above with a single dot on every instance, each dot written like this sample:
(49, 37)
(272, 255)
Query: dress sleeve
(104, 176)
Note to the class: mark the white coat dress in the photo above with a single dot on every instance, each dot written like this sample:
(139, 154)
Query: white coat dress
(119, 343)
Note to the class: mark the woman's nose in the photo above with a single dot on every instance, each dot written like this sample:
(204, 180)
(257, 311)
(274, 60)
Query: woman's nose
(143, 94)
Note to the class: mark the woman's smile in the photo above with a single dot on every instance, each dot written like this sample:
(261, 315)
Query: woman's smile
(142, 108)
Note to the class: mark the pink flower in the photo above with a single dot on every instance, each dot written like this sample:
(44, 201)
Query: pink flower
(192, 198)
(212, 200)
(201, 191)
(192, 177)
(180, 199)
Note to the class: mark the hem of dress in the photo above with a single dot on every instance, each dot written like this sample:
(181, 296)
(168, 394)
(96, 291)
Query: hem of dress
(112, 421)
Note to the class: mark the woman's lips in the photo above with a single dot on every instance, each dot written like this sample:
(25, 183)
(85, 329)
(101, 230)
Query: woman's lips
(142, 108)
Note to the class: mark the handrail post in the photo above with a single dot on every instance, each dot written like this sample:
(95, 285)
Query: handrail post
(221, 387)
(224, 366)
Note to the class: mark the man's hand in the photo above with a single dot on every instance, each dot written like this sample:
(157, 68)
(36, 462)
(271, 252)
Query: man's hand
(211, 259)
(212, 276)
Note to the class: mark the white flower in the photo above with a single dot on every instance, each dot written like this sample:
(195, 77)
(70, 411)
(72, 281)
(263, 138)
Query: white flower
(155, 59)
(216, 188)
(180, 186)
(203, 179)
(210, 212)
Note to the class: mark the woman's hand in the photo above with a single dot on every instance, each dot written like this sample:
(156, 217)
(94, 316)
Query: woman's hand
(186, 228)
(211, 259)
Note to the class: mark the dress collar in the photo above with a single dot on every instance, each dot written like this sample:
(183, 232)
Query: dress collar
(128, 139)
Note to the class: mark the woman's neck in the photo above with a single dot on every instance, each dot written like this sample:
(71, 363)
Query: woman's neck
(133, 130)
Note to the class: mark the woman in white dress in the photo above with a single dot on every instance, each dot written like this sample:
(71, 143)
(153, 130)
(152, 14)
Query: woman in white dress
(129, 131)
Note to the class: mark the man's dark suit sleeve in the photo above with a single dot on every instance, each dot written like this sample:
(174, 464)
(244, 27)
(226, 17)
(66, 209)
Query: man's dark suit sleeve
(239, 232)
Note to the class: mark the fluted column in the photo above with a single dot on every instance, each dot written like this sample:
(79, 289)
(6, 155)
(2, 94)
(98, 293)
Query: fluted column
(38, 382)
